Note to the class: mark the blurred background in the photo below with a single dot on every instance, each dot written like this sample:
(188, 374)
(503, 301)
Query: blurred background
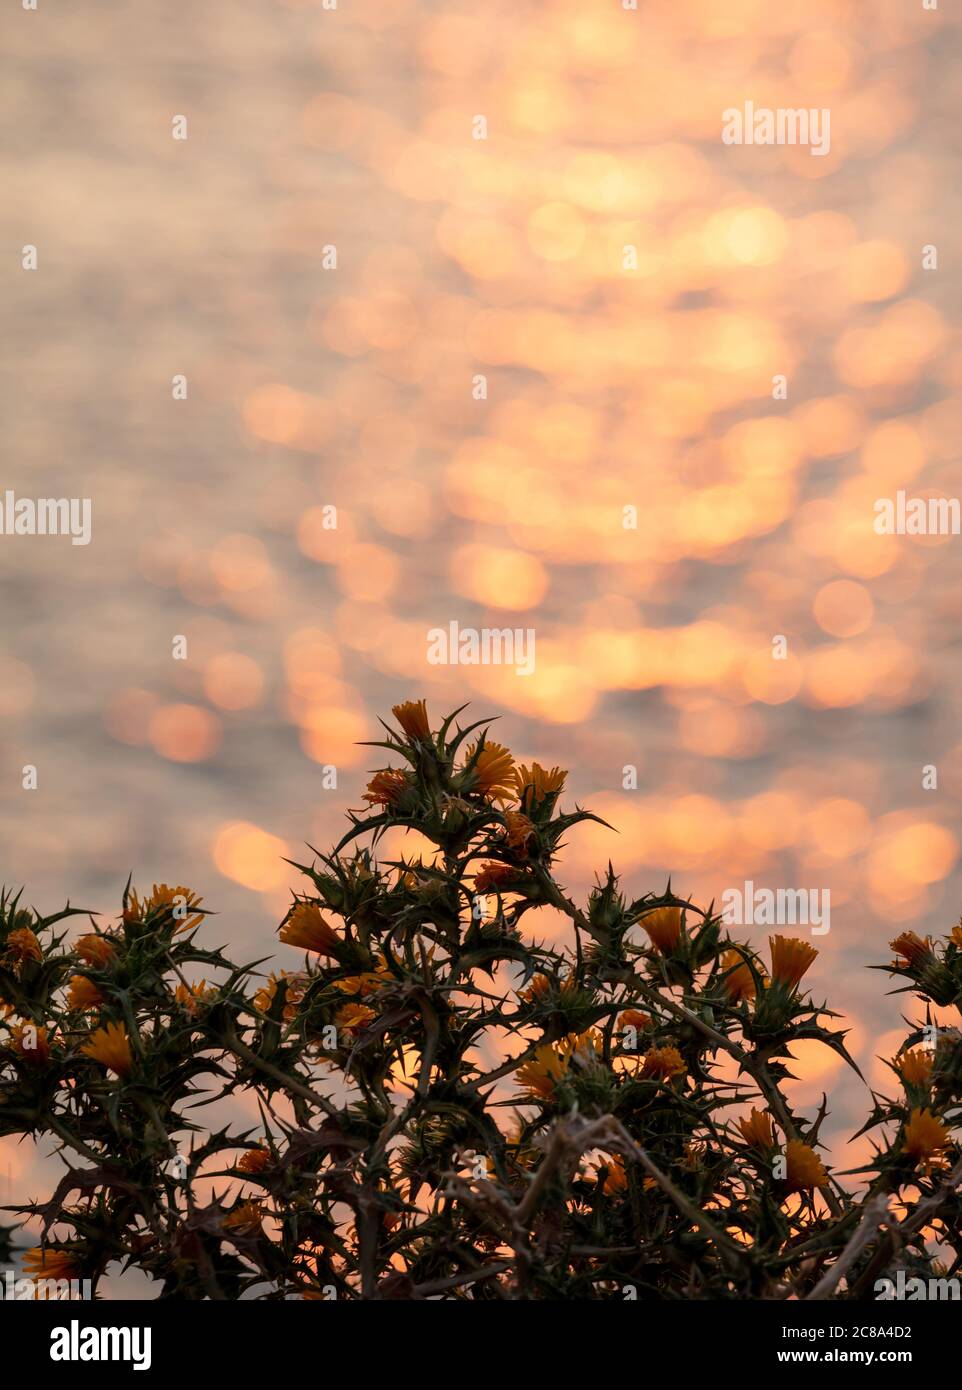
(312, 386)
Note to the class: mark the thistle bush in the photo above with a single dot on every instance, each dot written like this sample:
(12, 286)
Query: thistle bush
(450, 1107)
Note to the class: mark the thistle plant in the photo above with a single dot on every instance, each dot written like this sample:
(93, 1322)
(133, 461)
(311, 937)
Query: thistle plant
(449, 1106)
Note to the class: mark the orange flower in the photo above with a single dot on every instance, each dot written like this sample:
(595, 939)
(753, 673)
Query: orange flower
(540, 1076)
(44, 1263)
(110, 1046)
(664, 927)
(756, 1129)
(550, 1064)
(192, 998)
(264, 997)
(363, 985)
(386, 787)
(695, 1152)
(307, 929)
(166, 904)
(245, 1219)
(956, 935)
(791, 957)
(97, 951)
(914, 1068)
(31, 1042)
(738, 978)
(617, 1179)
(255, 1160)
(83, 993)
(22, 945)
(534, 784)
(662, 1063)
(413, 719)
(911, 947)
(494, 878)
(925, 1136)
(518, 831)
(296, 986)
(353, 1018)
(803, 1167)
(493, 771)
(634, 1018)
(539, 989)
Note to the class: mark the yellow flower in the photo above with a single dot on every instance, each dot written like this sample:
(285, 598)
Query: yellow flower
(617, 1179)
(83, 993)
(911, 947)
(550, 1064)
(353, 1018)
(738, 979)
(539, 989)
(296, 986)
(494, 878)
(925, 1136)
(191, 998)
(756, 1129)
(167, 904)
(413, 719)
(40, 1263)
(362, 985)
(110, 1046)
(956, 935)
(695, 1151)
(634, 1018)
(307, 929)
(540, 1076)
(662, 1063)
(664, 927)
(518, 831)
(245, 1219)
(493, 771)
(534, 784)
(791, 958)
(255, 1160)
(31, 1042)
(914, 1068)
(97, 951)
(22, 945)
(386, 787)
(803, 1167)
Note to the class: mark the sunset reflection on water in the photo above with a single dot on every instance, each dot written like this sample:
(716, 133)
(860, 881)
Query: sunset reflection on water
(356, 387)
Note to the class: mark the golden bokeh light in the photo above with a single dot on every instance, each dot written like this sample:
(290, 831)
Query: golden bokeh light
(251, 856)
(184, 733)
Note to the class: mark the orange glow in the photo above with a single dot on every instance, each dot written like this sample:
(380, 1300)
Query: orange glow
(279, 415)
(331, 734)
(251, 857)
(843, 608)
(499, 578)
(367, 572)
(923, 852)
(184, 733)
(233, 681)
(240, 562)
(128, 715)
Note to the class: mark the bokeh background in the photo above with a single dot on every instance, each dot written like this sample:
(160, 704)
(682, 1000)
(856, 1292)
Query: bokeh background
(351, 387)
